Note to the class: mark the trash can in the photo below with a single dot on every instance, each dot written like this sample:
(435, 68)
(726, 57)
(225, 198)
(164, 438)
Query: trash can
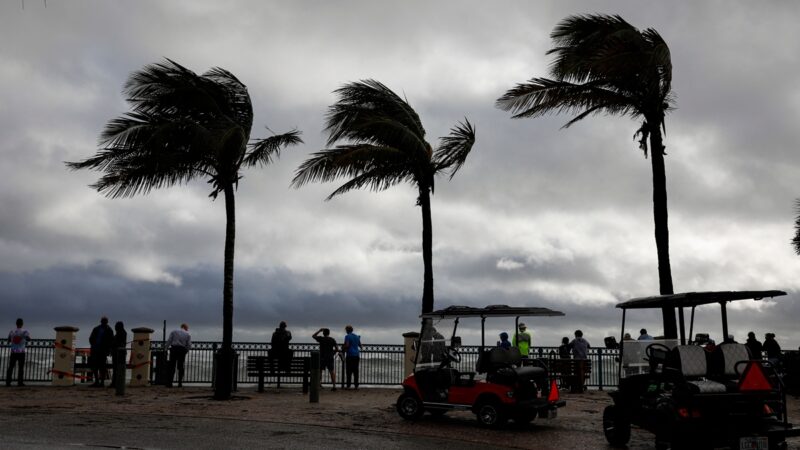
(160, 367)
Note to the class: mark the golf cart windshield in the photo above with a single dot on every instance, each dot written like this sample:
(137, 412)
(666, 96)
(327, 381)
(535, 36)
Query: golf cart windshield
(433, 344)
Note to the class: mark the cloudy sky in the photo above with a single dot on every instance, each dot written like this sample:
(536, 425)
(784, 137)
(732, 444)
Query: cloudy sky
(538, 216)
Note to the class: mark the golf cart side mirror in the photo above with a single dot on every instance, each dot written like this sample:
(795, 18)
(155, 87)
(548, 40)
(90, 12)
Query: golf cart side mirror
(456, 341)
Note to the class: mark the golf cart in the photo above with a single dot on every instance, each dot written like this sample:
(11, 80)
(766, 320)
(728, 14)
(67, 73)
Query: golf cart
(691, 396)
(502, 385)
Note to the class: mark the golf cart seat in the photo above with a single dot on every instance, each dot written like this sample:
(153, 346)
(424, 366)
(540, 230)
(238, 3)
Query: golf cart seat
(723, 362)
(691, 363)
(497, 358)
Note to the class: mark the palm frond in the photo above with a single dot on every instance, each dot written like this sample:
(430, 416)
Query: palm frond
(263, 150)
(369, 112)
(345, 161)
(376, 179)
(796, 239)
(454, 149)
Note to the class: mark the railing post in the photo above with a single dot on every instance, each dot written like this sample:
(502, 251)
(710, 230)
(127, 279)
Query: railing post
(64, 356)
(601, 366)
(410, 352)
(140, 356)
(119, 370)
(313, 393)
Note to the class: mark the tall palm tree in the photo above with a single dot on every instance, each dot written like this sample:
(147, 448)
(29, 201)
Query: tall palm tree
(184, 126)
(383, 144)
(604, 65)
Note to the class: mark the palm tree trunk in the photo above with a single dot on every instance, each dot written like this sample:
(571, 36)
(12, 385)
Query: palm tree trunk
(224, 377)
(661, 226)
(427, 248)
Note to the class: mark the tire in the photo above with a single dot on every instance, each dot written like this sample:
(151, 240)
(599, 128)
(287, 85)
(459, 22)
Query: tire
(409, 406)
(490, 414)
(616, 427)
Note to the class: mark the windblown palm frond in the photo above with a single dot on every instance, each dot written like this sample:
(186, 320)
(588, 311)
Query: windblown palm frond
(454, 149)
(264, 150)
(796, 239)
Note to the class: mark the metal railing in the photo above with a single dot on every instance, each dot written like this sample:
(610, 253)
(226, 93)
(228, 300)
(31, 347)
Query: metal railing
(381, 365)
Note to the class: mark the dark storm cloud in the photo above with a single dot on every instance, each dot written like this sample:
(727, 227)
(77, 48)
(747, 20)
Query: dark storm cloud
(539, 215)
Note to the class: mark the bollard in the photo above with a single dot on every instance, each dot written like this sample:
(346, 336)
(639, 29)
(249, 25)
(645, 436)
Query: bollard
(64, 356)
(313, 393)
(119, 370)
(140, 356)
(409, 341)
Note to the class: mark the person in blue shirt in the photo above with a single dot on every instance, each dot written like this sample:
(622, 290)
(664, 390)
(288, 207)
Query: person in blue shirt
(351, 348)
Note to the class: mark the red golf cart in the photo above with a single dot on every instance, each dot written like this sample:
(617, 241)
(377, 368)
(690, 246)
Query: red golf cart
(503, 385)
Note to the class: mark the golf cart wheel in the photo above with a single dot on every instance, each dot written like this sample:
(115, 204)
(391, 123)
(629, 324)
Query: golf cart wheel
(409, 406)
(490, 413)
(616, 428)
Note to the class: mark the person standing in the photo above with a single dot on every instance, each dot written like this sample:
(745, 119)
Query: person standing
(18, 337)
(352, 349)
(563, 349)
(772, 348)
(120, 342)
(523, 340)
(503, 342)
(279, 346)
(179, 343)
(101, 342)
(754, 345)
(327, 350)
(643, 336)
(580, 346)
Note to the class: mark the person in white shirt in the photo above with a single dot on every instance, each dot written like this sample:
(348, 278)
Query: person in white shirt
(179, 343)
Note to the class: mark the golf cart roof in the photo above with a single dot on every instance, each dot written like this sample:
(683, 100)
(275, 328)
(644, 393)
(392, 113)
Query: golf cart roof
(695, 299)
(490, 311)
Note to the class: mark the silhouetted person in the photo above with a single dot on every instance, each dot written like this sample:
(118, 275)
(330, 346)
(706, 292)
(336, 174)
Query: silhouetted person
(179, 343)
(563, 349)
(279, 346)
(772, 348)
(120, 342)
(756, 349)
(643, 336)
(504, 343)
(101, 342)
(580, 346)
(18, 337)
(327, 350)
(352, 349)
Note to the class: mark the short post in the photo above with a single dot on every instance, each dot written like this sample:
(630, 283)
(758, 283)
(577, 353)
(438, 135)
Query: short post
(64, 356)
(119, 370)
(140, 356)
(410, 352)
(313, 393)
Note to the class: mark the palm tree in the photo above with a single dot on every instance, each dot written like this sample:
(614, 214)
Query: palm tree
(796, 239)
(184, 126)
(604, 65)
(383, 145)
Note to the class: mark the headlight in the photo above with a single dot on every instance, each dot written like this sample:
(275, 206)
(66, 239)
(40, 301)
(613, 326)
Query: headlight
(510, 394)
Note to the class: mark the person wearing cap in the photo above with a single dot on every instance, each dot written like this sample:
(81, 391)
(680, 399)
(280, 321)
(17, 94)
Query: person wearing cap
(522, 340)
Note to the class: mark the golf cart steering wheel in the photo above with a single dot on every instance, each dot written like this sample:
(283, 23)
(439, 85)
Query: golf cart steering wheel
(656, 353)
(453, 355)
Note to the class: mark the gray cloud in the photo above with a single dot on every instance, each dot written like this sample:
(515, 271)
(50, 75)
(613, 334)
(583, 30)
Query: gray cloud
(570, 208)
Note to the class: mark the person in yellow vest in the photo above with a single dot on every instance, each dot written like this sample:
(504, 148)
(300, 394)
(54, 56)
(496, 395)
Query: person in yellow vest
(522, 340)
